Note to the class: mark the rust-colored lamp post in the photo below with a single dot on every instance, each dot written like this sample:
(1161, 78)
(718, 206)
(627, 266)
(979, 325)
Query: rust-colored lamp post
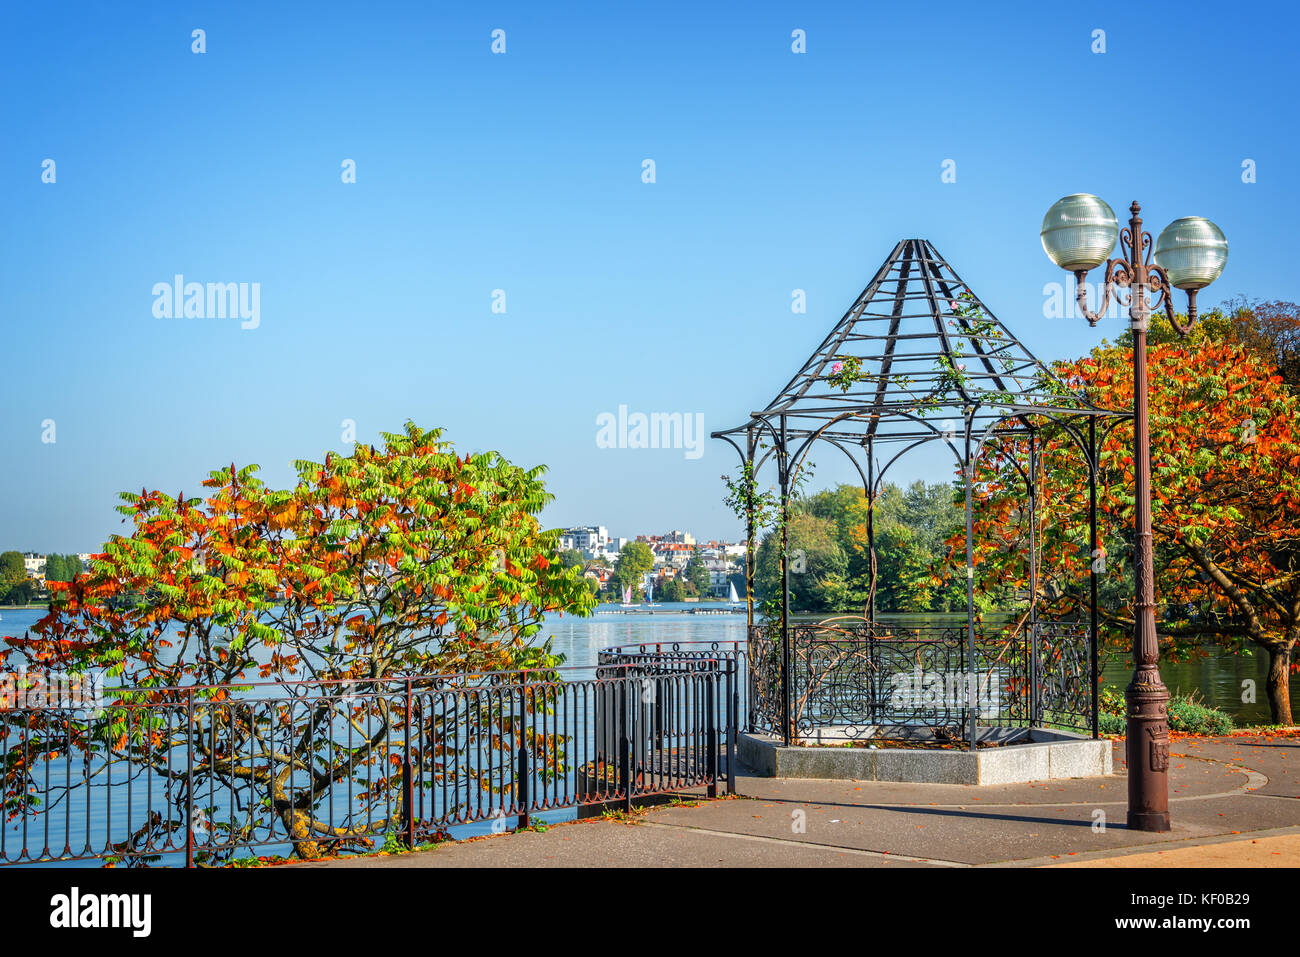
(1079, 233)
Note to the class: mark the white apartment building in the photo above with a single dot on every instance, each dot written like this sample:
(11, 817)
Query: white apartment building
(671, 554)
(592, 541)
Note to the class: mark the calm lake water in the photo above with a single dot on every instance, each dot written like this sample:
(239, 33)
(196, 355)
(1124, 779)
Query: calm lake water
(579, 640)
(1218, 677)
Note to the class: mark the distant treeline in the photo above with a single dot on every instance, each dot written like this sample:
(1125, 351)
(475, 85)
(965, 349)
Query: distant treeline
(62, 568)
(17, 589)
(830, 567)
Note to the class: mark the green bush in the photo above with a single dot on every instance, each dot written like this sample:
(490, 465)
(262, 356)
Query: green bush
(1186, 713)
(1111, 702)
(1111, 723)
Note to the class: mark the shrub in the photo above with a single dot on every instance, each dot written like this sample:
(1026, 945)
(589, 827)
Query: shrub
(1192, 716)
(1186, 714)
(1111, 723)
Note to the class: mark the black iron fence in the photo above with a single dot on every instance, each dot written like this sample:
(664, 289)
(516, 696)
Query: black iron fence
(204, 775)
(853, 679)
(660, 708)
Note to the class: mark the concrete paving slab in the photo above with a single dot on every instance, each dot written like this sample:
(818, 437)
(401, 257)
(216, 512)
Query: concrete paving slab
(1224, 791)
(1281, 851)
(600, 843)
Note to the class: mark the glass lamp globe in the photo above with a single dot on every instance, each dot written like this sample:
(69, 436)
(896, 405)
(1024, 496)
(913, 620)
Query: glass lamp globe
(1079, 232)
(1193, 251)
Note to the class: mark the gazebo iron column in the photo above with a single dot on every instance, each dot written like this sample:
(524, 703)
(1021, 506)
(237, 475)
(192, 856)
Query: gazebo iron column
(1035, 653)
(968, 470)
(783, 466)
(1094, 673)
(750, 556)
(871, 532)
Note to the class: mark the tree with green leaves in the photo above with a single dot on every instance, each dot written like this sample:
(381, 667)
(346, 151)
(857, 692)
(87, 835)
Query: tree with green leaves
(572, 558)
(672, 590)
(384, 566)
(62, 568)
(15, 587)
(817, 565)
(1225, 464)
(697, 574)
(635, 560)
(914, 573)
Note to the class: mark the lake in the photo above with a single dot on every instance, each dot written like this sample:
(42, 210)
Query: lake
(1218, 677)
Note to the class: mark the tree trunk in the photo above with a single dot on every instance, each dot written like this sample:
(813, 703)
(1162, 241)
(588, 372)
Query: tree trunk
(1278, 683)
(298, 826)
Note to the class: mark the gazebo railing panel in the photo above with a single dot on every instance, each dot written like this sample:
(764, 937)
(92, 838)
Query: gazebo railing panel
(1064, 682)
(858, 680)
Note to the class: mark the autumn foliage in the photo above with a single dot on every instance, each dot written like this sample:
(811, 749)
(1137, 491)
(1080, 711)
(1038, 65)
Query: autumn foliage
(376, 568)
(1225, 459)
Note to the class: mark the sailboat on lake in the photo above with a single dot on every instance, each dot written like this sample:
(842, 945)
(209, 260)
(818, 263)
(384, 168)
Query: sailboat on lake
(650, 593)
(733, 600)
(627, 597)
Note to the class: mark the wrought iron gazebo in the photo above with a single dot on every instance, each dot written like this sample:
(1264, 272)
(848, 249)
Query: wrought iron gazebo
(918, 359)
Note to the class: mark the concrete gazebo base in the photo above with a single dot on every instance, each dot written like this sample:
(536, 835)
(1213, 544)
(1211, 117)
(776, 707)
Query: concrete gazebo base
(1015, 756)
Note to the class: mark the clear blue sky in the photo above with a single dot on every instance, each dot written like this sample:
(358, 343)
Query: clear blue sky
(522, 172)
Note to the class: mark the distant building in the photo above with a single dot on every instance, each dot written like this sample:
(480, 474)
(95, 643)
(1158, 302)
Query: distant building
(600, 575)
(671, 554)
(584, 538)
(592, 541)
(34, 565)
(719, 574)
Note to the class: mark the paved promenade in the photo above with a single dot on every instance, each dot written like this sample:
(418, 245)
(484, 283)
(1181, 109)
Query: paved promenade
(1235, 801)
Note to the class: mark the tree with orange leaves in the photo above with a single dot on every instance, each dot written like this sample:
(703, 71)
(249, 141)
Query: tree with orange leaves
(376, 569)
(1225, 459)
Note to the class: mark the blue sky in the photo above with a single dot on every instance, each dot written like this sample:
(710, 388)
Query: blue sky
(522, 172)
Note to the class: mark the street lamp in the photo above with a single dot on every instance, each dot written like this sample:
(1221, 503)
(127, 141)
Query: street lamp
(1078, 234)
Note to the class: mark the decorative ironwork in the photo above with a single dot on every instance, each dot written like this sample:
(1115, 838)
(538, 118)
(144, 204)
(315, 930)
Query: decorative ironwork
(1146, 697)
(926, 354)
(1064, 682)
(205, 774)
(888, 681)
(917, 358)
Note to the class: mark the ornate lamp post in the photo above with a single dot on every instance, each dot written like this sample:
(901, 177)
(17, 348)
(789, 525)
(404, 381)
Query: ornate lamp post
(1078, 234)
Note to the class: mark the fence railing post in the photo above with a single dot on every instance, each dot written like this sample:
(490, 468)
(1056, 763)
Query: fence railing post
(189, 778)
(524, 771)
(1035, 678)
(625, 745)
(733, 715)
(408, 777)
(711, 727)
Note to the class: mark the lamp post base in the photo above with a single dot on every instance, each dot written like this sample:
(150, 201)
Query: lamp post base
(1147, 750)
(1148, 820)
